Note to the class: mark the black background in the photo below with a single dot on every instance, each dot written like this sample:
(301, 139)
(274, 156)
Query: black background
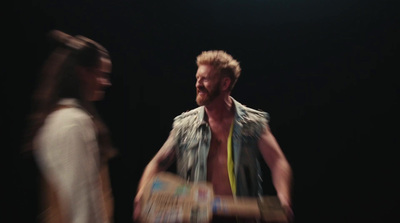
(326, 71)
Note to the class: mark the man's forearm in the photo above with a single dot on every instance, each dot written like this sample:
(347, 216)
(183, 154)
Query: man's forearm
(149, 172)
(283, 178)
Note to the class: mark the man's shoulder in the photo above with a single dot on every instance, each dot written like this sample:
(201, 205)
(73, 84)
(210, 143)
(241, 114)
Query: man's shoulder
(252, 112)
(188, 114)
(253, 120)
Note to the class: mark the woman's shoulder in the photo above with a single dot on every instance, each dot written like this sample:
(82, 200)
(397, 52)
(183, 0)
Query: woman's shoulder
(69, 116)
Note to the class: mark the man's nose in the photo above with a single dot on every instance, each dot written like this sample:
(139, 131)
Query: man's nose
(198, 83)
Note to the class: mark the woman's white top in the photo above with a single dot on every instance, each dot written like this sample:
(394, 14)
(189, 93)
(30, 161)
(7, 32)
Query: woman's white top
(68, 156)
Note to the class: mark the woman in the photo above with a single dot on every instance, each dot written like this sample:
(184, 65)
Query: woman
(69, 140)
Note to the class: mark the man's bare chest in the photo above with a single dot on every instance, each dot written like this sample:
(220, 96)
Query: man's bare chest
(219, 144)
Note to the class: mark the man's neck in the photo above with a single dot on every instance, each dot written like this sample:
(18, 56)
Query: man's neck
(220, 108)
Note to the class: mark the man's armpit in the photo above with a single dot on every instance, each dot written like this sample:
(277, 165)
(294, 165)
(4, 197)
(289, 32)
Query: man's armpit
(167, 153)
(166, 160)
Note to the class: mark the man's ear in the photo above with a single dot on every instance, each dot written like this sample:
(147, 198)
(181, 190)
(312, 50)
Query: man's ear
(226, 82)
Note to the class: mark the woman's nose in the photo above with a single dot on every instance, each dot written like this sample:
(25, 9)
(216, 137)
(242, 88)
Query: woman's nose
(105, 82)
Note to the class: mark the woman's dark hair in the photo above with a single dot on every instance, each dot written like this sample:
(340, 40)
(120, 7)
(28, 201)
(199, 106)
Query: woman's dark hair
(59, 79)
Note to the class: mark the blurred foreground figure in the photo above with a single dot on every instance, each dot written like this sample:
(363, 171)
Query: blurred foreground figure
(222, 141)
(69, 141)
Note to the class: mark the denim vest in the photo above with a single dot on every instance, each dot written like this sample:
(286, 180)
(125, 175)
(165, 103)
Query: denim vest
(193, 137)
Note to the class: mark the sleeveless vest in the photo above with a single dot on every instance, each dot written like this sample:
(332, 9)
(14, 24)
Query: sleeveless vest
(193, 137)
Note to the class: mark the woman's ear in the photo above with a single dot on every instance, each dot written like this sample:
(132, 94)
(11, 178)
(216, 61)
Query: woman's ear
(80, 70)
(83, 73)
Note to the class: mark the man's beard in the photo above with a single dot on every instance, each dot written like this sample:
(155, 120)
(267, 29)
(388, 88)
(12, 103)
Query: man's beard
(209, 96)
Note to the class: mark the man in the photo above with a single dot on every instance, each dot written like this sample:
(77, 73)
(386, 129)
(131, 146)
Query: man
(222, 140)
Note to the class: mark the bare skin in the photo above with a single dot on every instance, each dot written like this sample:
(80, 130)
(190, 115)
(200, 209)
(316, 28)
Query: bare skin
(95, 80)
(217, 157)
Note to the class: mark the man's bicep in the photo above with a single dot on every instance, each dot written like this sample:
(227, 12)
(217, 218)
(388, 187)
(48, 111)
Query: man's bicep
(166, 155)
(269, 146)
